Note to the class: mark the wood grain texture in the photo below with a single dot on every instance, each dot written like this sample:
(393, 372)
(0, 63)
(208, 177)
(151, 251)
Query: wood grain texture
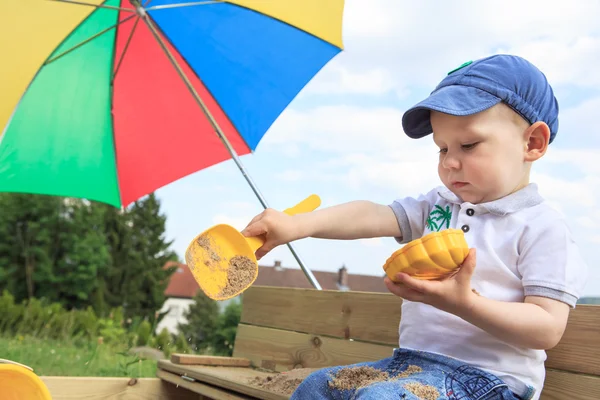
(374, 317)
(235, 379)
(281, 350)
(205, 391)
(579, 348)
(562, 385)
(190, 359)
(92, 388)
(371, 317)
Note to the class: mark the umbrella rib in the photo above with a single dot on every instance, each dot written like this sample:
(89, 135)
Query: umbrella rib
(179, 5)
(81, 3)
(102, 32)
(135, 24)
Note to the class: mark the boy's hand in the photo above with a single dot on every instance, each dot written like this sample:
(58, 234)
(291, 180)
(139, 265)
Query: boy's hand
(453, 294)
(277, 228)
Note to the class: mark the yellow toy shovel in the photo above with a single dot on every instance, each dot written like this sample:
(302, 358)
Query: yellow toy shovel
(222, 260)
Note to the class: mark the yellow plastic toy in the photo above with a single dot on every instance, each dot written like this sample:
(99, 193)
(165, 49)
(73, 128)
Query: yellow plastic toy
(18, 382)
(434, 256)
(222, 260)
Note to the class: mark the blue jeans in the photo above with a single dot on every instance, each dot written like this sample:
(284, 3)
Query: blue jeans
(449, 378)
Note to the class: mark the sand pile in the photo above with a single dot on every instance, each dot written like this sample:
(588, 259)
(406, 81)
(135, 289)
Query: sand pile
(239, 275)
(412, 369)
(350, 378)
(424, 392)
(213, 257)
(357, 377)
(284, 383)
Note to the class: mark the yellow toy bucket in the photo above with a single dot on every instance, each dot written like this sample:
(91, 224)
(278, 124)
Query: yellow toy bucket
(18, 382)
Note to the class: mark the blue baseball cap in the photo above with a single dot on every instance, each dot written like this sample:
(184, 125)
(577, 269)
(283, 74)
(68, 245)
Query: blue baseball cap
(478, 85)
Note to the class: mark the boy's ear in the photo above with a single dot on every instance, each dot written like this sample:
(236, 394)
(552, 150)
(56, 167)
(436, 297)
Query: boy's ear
(537, 138)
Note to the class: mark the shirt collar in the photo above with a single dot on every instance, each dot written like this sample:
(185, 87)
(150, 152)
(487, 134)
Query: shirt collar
(517, 201)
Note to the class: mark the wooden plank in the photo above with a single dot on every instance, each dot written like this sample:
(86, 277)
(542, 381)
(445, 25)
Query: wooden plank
(92, 388)
(562, 385)
(579, 348)
(281, 350)
(236, 379)
(559, 385)
(206, 391)
(190, 359)
(348, 315)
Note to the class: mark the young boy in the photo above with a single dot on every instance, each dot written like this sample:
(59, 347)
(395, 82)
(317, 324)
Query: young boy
(482, 333)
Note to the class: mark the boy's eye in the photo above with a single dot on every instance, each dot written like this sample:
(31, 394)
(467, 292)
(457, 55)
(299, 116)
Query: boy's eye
(469, 146)
(443, 151)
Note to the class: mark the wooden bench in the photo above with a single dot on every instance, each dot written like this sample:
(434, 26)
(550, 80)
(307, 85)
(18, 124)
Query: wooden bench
(282, 329)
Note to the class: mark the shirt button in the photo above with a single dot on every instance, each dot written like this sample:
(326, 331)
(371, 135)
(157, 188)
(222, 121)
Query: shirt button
(465, 228)
(470, 212)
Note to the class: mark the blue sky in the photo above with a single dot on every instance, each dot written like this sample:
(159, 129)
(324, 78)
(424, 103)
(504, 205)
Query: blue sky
(342, 138)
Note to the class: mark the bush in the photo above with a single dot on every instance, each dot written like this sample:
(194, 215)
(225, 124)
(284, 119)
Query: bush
(203, 320)
(43, 320)
(224, 337)
(37, 318)
(182, 345)
(144, 331)
(111, 332)
(11, 313)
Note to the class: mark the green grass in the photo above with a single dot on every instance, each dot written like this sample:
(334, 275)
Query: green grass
(50, 357)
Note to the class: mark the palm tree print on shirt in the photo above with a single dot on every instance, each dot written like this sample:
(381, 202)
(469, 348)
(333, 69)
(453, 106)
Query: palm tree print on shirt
(439, 217)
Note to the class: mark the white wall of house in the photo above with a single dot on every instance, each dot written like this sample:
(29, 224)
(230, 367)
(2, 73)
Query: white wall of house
(178, 308)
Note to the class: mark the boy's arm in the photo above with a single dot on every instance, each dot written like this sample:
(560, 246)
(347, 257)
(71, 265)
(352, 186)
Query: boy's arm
(353, 220)
(537, 323)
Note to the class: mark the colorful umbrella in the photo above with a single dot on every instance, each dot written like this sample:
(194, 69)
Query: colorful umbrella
(111, 100)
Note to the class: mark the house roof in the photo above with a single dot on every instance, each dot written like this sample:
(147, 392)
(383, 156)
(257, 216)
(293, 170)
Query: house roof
(183, 285)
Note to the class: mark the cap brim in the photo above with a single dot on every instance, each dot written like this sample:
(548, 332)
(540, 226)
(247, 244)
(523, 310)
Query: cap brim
(454, 99)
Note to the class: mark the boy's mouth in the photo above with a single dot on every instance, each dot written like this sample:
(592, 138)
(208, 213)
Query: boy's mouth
(458, 184)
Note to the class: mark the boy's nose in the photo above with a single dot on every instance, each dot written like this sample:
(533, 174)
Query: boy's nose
(450, 162)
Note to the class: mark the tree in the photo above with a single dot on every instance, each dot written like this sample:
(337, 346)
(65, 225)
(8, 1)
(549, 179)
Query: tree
(28, 234)
(153, 251)
(84, 253)
(202, 322)
(135, 277)
(224, 337)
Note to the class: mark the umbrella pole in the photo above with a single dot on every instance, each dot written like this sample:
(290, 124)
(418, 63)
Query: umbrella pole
(221, 135)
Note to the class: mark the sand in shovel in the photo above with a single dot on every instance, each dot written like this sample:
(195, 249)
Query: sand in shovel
(239, 275)
(205, 243)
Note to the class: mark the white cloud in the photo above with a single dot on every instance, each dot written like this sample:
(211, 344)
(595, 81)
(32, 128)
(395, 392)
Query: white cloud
(364, 146)
(341, 129)
(290, 150)
(578, 127)
(238, 223)
(574, 193)
(391, 45)
(372, 242)
(587, 222)
(338, 78)
(564, 60)
(290, 175)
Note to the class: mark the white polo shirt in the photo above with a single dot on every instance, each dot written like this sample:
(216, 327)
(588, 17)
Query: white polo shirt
(524, 247)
